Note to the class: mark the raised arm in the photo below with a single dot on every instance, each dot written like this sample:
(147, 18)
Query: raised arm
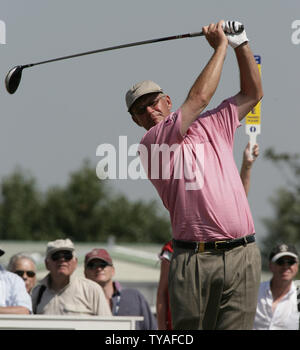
(250, 81)
(247, 163)
(207, 82)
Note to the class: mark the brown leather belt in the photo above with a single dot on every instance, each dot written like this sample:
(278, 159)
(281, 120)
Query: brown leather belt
(216, 245)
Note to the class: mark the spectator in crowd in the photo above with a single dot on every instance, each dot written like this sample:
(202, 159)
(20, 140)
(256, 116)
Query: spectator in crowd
(61, 292)
(162, 300)
(277, 307)
(123, 302)
(24, 266)
(14, 298)
(163, 311)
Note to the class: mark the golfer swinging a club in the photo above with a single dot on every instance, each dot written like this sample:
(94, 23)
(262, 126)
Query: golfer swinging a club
(215, 270)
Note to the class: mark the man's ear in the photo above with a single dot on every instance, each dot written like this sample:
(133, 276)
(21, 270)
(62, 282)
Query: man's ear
(169, 103)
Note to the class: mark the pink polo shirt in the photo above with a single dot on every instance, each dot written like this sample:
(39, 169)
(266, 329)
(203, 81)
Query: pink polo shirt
(196, 175)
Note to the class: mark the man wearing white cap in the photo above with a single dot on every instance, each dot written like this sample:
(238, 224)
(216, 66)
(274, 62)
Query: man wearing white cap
(277, 307)
(63, 293)
(14, 298)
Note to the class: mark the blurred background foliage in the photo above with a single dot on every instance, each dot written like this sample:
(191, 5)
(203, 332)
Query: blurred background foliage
(85, 210)
(284, 225)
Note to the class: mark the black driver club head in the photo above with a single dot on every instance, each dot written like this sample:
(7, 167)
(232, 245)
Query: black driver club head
(13, 78)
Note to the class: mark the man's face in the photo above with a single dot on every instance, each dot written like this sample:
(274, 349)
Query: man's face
(61, 263)
(25, 268)
(99, 271)
(151, 109)
(285, 268)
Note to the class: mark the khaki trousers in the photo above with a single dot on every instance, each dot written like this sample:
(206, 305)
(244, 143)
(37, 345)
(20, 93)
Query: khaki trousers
(214, 290)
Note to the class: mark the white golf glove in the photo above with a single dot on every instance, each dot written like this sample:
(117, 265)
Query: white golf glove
(230, 28)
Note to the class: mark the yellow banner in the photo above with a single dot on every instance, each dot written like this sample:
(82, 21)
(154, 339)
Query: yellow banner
(253, 117)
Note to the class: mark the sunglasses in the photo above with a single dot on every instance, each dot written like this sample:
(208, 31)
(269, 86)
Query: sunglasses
(21, 273)
(141, 109)
(287, 261)
(65, 254)
(94, 264)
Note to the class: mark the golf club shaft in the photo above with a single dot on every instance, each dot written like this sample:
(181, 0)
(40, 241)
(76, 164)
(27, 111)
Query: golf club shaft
(180, 36)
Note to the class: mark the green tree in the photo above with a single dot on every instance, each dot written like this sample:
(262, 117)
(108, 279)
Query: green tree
(85, 209)
(284, 226)
(75, 211)
(20, 207)
(88, 210)
(135, 221)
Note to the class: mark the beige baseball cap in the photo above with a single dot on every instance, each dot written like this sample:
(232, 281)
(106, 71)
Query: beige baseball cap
(59, 244)
(142, 88)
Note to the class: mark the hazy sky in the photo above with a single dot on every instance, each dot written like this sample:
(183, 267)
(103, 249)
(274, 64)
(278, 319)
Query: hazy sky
(62, 111)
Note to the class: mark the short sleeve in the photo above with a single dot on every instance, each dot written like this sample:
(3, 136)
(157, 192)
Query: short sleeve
(223, 119)
(19, 295)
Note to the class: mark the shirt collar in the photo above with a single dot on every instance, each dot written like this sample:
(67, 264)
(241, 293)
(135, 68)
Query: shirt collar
(291, 290)
(46, 280)
(117, 288)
